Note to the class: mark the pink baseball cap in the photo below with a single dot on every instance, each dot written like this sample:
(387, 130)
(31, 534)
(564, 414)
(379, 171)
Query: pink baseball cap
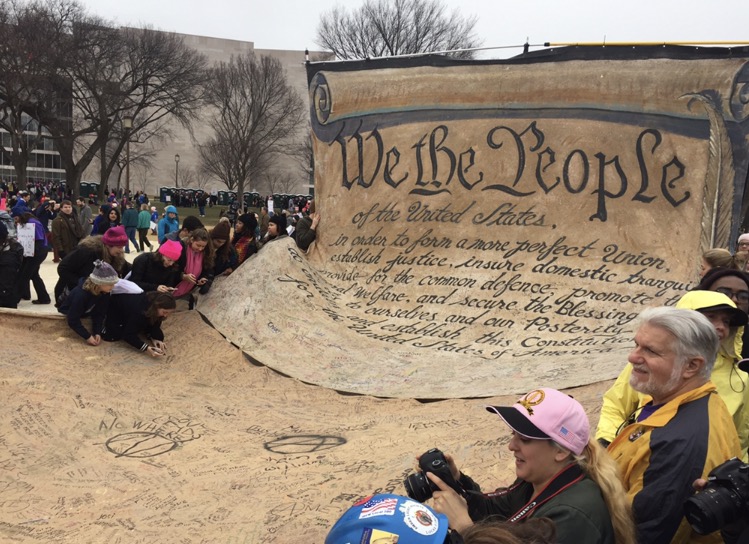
(548, 414)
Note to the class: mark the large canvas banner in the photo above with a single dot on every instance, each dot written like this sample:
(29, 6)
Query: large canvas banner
(488, 228)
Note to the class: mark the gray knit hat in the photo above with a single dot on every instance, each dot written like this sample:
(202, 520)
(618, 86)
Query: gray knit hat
(103, 274)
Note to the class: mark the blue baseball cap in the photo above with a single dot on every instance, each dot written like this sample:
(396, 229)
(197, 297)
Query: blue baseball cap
(386, 519)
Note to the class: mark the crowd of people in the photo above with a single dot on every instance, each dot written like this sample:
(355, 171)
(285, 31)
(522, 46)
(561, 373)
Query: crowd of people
(126, 301)
(664, 427)
(38, 189)
(678, 410)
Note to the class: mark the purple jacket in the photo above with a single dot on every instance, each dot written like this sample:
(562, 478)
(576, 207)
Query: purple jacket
(39, 233)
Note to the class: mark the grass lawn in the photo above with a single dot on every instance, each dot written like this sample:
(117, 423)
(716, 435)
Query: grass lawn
(211, 214)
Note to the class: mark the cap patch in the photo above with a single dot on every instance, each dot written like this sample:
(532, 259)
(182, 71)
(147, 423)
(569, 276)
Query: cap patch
(375, 536)
(419, 519)
(378, 507)
(534, 398)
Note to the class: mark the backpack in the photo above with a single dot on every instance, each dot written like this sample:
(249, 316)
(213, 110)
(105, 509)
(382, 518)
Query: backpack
(10, 223)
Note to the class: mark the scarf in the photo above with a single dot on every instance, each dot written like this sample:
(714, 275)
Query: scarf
(194, 266)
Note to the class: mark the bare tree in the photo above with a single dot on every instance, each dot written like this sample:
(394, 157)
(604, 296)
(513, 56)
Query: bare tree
(159, 80)
(140, 155)
(216, 160)
(279, 183)
(142, 177)
(32, 40)
(187, 177)
(109, 74)
(68, 37)
(202, 179)
(256, 113)
(396, 27)
(304, 155)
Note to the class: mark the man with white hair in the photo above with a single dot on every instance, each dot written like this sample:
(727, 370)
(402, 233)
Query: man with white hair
(683, 433)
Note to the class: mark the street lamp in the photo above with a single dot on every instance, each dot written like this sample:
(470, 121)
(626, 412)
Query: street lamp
(176, 171)
(127, 122)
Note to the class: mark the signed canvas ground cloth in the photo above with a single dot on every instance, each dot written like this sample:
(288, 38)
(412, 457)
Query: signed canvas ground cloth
(486, 225)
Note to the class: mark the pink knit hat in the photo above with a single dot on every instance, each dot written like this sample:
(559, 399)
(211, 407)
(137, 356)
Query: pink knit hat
(171, 249)
(115, 237)
(548, 414)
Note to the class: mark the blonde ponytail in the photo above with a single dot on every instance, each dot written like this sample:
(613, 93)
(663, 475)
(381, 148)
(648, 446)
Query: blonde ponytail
(604, 471)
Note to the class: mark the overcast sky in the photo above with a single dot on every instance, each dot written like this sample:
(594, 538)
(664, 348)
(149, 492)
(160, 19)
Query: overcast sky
(291, 24)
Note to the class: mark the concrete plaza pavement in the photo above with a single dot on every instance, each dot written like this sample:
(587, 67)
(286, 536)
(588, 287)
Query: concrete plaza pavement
(48, 273)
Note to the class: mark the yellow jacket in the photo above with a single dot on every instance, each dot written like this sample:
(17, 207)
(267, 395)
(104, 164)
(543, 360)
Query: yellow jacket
(660, 456)
(621, 401)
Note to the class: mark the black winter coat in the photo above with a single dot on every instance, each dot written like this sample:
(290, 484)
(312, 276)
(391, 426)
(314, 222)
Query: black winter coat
(126, 321)
(79, 263)
(81, 303)
(148, 273)
(11, 257)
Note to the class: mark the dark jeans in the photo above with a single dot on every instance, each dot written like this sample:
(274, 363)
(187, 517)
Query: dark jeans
(30, 272)
(130, 231)
(143, 238)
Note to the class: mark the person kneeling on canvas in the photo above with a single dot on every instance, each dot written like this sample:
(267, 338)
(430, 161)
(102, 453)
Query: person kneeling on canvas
(133, 315)
(90, 298)
(158, 271)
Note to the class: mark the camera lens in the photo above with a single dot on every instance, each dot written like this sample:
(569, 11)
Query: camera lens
(417, 487)
(712, 509)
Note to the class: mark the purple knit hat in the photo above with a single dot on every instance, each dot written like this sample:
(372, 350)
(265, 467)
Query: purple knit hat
(115, 237)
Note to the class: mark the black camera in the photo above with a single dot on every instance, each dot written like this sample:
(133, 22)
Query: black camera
(724, 500)
(419, 487)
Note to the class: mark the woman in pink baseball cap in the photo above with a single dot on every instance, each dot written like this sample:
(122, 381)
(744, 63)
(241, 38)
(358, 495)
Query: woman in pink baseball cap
(562, 474)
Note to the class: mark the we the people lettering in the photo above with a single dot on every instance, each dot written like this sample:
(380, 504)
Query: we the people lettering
(529, 165)
(489, 226)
